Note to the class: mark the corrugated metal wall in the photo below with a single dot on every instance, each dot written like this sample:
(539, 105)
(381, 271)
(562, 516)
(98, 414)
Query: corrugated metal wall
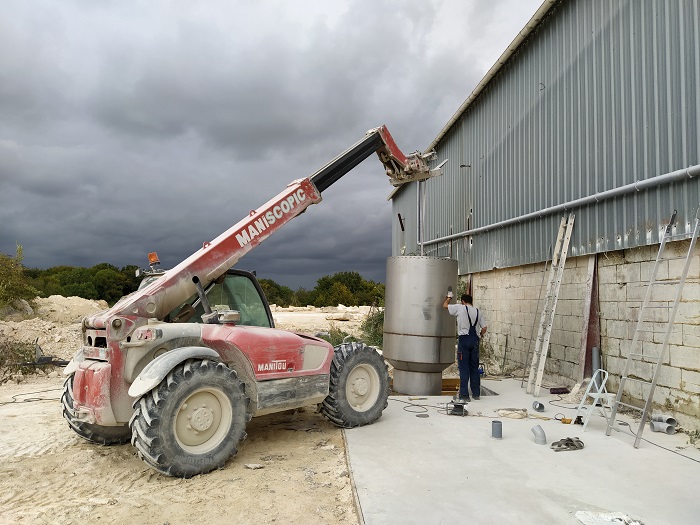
(602, 94)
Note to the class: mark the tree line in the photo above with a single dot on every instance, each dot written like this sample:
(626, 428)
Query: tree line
(108, 282)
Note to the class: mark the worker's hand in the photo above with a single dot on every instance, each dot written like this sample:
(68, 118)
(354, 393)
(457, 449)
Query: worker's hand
(449, 292)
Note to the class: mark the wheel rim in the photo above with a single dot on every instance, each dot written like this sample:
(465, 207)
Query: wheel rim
(362, 387)
(203, 420)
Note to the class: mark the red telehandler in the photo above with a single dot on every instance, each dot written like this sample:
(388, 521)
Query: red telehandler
(181, 365)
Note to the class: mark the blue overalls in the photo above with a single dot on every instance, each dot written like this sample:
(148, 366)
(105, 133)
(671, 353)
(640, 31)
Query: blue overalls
(468, 361)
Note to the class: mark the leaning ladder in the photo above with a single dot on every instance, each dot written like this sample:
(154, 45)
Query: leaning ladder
(556, 271)
(640, 355)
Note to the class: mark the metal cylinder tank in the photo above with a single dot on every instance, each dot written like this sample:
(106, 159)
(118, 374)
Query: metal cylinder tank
(419, 334)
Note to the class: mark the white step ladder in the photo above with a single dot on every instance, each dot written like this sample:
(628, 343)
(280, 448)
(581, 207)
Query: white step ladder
(556, 271)
(595, 397)
(637, 356)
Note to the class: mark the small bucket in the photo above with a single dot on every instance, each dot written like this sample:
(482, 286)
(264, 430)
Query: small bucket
(539, 407)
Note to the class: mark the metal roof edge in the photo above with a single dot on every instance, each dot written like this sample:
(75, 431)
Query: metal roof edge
(510, 50)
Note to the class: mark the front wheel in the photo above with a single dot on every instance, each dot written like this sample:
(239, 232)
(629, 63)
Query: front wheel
(101, 435)
(193, 421)
(359, 386)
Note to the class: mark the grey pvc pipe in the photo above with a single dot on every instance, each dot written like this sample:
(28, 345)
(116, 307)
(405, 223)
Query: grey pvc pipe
(496, 429)
(674, 176)
(540, 438)
(595, 364)
(665, 418)
(657, 426)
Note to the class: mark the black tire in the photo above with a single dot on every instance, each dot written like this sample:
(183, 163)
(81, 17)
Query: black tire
(117, 435)
(359, 386)
(193, 421)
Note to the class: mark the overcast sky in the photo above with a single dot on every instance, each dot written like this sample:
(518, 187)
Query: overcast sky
(135, 126)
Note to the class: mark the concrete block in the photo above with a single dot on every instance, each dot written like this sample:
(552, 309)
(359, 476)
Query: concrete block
(677, 248)
(669, 377)
(648, 267)
(634, 390)
(610, 347)
(557, 338)
(641, 253)
(618, 329)
(675, 337)
(688, 312)
(609, 310)
(573, 323)
(655, 312)
(607, 275)
(567, 369)
(615, 365)
(629, 273)
(573, 291)
(613, 293)
(664, 292)
(641, 370)
(575, 340)
(636, 291)
(574, 275)
(691, 293)
(652, 351)
(690, 381)
(629, 311)
(571, 355)
(564, 307)
(662, 396)
(610, 259)
(686, 357)
(675, 268)
(691, 335)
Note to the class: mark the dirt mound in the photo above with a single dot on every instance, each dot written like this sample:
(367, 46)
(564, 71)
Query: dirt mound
(67, 310)
(56, 324)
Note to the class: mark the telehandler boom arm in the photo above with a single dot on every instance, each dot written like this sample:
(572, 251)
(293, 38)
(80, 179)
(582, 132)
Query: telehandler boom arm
(211, 261)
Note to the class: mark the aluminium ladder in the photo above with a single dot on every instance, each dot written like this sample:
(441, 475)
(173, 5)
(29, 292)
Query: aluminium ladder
(640, 355)
(556, 271)
(537, 309)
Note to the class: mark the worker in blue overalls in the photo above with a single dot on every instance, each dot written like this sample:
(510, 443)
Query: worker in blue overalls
(471, 326)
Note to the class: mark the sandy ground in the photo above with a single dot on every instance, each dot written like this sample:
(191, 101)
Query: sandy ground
(291, 469)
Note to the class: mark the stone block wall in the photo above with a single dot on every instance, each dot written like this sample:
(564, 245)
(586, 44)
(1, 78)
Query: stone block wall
(509, 299)
(623, 278)
(512, 300)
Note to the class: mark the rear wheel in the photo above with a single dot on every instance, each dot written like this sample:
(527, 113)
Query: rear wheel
(359, 386)
(116, 435)
(193, 421)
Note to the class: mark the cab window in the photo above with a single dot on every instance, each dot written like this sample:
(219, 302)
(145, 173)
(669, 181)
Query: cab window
(232, 292)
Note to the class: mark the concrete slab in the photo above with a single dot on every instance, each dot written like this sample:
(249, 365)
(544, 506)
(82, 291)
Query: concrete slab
(445, 469)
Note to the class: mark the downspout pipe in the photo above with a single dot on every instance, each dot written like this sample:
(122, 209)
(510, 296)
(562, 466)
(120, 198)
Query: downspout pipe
(674, 176)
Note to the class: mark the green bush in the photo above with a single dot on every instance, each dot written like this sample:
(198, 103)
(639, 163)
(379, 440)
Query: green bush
(13, 352)
(336, 336)
(373, 328)
(13, 282)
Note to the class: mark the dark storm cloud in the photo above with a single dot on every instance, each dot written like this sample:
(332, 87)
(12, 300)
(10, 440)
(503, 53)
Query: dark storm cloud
(134, 126)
